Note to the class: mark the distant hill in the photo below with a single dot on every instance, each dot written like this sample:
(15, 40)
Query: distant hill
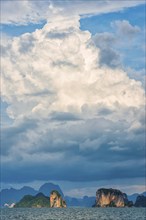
(81, 202)
(38, 201)
(48, 187)
(144, 194)
(14, 195)
(134, 196)
(140, 201)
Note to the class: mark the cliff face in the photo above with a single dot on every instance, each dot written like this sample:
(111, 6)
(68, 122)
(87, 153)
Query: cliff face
(56, 200)
(111, 198)
(140, 201)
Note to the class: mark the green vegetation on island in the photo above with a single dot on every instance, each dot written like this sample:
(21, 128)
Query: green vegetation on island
(38, 201)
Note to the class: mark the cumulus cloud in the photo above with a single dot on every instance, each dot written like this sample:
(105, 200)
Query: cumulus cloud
(73, 119)
(70, 80)
(125, 28)
(112, 44)
(139, 75)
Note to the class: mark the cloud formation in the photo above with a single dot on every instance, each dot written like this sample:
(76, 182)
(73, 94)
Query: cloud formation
(29, 11)
(125, 28)
(73, 120)
(111, 44)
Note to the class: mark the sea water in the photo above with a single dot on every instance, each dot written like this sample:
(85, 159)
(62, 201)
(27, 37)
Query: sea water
(73, 214)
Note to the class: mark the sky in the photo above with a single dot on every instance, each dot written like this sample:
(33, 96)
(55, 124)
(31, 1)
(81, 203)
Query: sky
(73, 94)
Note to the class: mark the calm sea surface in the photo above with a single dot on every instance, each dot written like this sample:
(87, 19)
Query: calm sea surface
(74, 214)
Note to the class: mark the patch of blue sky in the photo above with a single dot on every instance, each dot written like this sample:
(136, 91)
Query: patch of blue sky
(102, 23)
(132, 53)
(16, 30)
(133, 60)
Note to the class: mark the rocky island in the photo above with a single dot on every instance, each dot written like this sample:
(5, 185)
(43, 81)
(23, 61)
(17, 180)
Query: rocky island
(111, 198)
(40, 200)
(56, 200)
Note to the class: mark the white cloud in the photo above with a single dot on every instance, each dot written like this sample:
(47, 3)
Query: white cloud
(66, 108)
(139, 75)
(116, 47)
(125, 28)
(43, 73)
(26, 11)
(23, 12)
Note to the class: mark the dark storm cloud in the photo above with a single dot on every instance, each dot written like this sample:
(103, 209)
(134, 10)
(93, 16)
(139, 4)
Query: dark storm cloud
(10, 136)
(70, 170)
(78, 150)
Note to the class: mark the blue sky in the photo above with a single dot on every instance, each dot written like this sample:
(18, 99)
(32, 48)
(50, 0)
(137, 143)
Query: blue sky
(101, 23)
(73, 94)
(136, 17)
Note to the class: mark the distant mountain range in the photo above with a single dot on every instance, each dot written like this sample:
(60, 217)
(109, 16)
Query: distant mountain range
(81, 202)
(12, 195)
(134, 196)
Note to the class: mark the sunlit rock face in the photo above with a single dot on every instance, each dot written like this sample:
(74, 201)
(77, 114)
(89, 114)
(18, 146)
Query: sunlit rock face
(111, 198)
(56, 200)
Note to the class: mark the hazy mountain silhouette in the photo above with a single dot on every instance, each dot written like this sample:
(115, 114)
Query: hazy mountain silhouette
(48, 187)
(83, 202)
(14, 195)
(134, 196)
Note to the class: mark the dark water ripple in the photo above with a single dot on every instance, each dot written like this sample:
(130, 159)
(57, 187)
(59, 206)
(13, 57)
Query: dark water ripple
(74, 214)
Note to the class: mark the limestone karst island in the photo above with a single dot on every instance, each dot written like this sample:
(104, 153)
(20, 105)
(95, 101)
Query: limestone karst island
(104, 198)
(40, 200)
(111, 198)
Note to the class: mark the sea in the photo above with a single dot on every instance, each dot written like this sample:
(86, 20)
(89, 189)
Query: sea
(73, 214)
